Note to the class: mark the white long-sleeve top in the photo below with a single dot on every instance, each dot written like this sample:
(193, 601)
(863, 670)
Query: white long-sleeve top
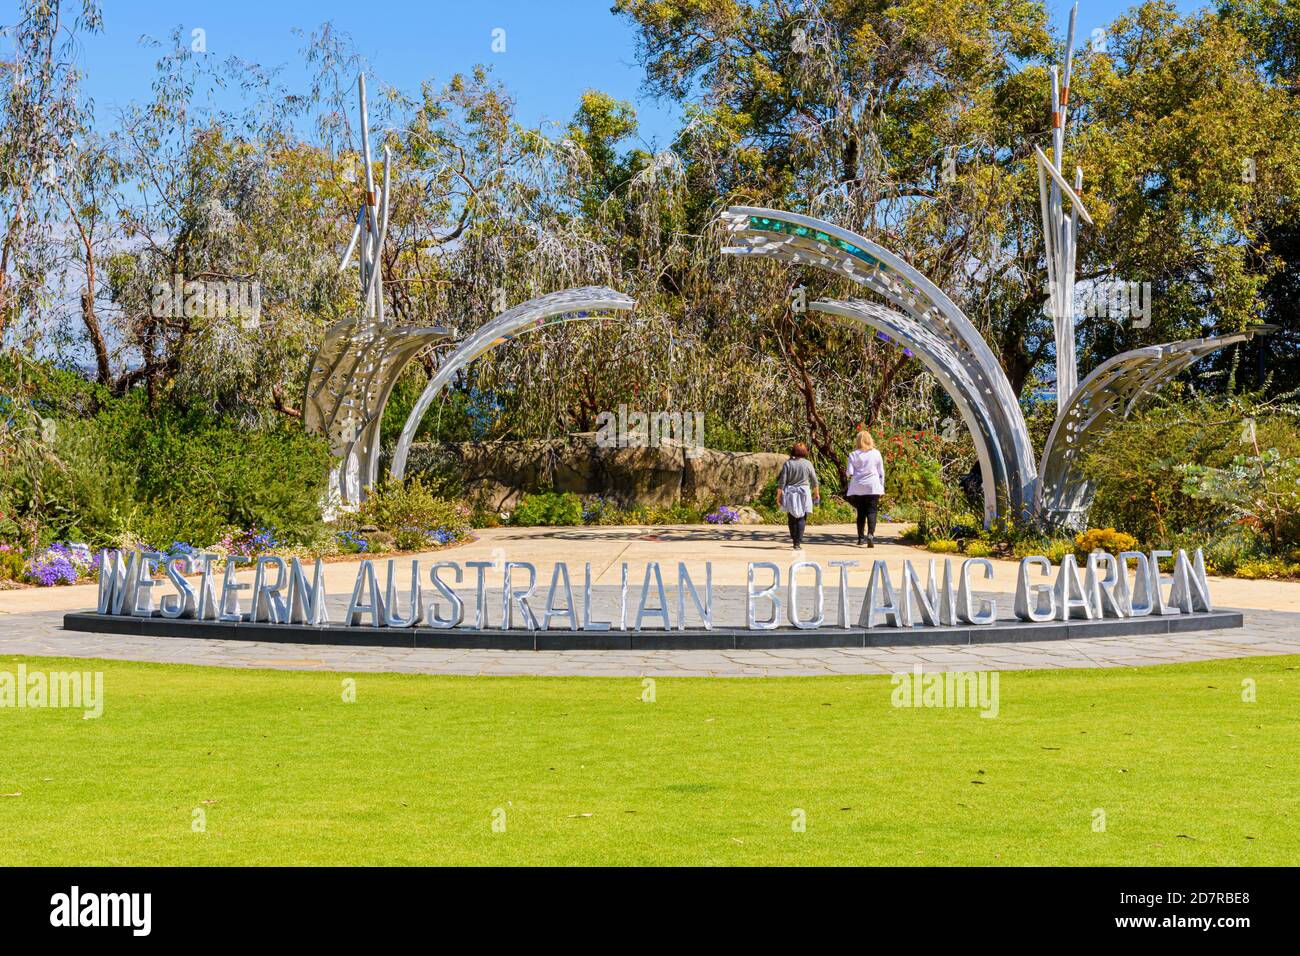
(866, 473)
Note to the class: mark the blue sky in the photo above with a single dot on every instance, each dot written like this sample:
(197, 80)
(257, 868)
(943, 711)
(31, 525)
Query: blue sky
(555, 49)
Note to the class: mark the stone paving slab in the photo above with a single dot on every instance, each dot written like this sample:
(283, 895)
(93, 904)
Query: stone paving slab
(1266, 633)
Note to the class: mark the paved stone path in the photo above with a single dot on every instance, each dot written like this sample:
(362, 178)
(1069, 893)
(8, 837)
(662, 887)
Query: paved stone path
(30, 621)
(1265, 633)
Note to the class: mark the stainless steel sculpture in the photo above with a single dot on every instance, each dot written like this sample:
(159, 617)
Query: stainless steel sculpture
(361, 359)
(359, 362)
(1054, 493)
(1061, 232)
(584, 304)
(352, 377)
(932, 322)
(1119, 385)
(1110, 393)
(944, 340)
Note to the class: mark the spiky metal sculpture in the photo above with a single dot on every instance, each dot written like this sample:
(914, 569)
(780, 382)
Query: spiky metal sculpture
(1055, 492)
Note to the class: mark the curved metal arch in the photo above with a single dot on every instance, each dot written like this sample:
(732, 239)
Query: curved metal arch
(938, 357)
(568, 305)
(802, 240)
(352, 376)
(1110, 393)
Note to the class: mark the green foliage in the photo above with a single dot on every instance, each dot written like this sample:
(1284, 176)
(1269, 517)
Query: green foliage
(602, 511)
(11, 562)
(1054, 549)
(1103, 539)
(184, 475)
(380, 542)
(411, 539)
(449, 419)
(1269, 568)
(1261, 489)
(1225, 553)
(548, 508)
(1198, 468)
(767, 497)
(1134, 471)
(946, 517)
(438, 467)
(125, 475)
(832, 510)
(482, 517)
(724, 436)
(913, 472)
(410, 507)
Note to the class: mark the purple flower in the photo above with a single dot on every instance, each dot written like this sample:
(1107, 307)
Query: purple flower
(351, 542)
(724, 515)
(51, 568)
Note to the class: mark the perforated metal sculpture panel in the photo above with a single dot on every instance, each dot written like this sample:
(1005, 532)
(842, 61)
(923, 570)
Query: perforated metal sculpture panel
(351, 378)
(1111, 392)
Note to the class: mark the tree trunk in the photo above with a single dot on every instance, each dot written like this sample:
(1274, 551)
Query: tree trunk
(820, 434)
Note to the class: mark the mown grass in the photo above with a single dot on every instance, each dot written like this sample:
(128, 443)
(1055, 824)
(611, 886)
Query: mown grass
(583, 771)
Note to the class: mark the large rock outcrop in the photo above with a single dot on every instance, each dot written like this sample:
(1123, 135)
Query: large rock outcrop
(500, 473)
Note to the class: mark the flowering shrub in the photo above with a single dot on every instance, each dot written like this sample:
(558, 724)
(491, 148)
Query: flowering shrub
(548, 508)
(946, 517)
(1262, 489)
(1054, 549)
(246, 543)
(912, 464)
(58, 564)
(351, 542)
(11, 562)
(594, 508)
(395, 506)
(1269, 568)
(724, 515)
(978, 549)
(180, 549)
(943, 546)
(1103, 539)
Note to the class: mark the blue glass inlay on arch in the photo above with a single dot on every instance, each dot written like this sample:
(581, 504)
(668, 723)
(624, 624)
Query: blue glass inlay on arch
(766, 224)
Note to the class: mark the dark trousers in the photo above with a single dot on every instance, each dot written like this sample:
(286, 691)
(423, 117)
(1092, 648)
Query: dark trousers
(796, 526)
(868, 507)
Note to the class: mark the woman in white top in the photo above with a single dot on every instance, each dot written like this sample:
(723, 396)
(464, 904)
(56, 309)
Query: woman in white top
(866, 474)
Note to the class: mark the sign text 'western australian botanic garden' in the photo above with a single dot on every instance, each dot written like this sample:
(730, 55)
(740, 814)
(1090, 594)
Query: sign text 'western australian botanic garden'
(412, 595)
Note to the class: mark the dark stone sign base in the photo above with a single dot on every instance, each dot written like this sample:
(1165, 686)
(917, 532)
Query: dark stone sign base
(692, 639)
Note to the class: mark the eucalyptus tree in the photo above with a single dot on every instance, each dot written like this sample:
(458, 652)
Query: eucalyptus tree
(1194, 157)
(232, 198)
(914, 124)
(44, 123)
(907, 123)
(1272, 31)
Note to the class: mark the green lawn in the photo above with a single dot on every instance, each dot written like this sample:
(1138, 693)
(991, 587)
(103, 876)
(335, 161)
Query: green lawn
(709, 773)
